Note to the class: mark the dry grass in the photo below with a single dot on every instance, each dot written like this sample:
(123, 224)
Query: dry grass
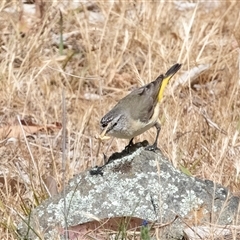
(130, 44)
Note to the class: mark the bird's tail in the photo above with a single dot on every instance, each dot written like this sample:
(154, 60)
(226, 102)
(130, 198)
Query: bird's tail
(168, 75)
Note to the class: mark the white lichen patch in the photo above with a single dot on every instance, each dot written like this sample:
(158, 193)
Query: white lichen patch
(172, 188)
(189, 201)
(73, 183)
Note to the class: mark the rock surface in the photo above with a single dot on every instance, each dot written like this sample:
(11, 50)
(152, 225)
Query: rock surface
(136, 183)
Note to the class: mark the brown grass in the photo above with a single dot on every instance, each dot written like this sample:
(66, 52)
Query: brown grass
(132, 45)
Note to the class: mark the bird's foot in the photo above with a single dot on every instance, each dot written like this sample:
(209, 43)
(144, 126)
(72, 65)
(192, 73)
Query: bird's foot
(128, 147)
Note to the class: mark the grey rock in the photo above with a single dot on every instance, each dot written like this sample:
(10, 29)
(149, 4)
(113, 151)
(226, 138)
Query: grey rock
(136, 183)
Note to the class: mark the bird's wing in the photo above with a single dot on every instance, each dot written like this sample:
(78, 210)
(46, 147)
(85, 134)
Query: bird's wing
(141, 102)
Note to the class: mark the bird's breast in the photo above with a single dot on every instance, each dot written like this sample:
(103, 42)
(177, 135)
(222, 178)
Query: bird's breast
(133, 127)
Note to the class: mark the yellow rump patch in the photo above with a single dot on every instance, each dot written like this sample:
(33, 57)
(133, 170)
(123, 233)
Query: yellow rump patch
(163, 86)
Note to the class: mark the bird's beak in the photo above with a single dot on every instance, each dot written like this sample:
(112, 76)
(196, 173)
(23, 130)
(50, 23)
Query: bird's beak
(103, 136)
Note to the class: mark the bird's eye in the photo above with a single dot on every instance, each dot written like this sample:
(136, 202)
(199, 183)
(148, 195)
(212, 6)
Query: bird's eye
(103, 124)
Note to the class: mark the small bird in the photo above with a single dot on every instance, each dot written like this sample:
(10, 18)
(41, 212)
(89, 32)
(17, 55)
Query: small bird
(138, 111)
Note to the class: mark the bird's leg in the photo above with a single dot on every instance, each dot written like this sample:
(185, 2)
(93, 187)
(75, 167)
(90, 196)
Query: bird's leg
(129, 145)
(154, 146)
